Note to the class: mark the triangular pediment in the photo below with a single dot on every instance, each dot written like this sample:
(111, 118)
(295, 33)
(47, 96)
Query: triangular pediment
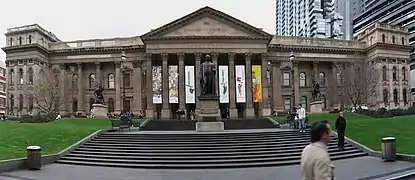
(207, 22)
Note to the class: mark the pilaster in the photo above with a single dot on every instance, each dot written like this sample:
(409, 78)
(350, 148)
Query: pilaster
(137, 85)
(149, 81)
(118, 98)
(98, 72)
(276, 86)
(233, 112)
(332, 87)
(316, 75)
(248, 80)
(63, 90)
(198, 56)
(296, 84)
(80, 90)
(215, 56)
(165, 112)
(182, 93)
(266, 111)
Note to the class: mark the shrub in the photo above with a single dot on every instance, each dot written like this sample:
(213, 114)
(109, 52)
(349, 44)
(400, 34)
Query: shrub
(38, 118)
(384, 113)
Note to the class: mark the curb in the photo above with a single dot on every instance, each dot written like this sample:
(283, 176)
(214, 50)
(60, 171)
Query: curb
(20, 163)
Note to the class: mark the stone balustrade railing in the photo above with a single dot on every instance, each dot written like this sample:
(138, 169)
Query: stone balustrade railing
(97, 43)
(32, 26)
(320, 42)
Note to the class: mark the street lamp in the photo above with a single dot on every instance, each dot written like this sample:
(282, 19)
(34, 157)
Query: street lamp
(123, 59)
(293, 109)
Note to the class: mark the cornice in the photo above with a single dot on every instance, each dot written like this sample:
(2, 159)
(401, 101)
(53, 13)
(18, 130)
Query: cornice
(99, 49)
(26, 47)
(278, 47)
(206, 38)
(387, 45)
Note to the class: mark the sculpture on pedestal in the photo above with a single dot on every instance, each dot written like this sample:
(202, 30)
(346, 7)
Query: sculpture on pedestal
(99, 98)
(207, 80)
(316, 91)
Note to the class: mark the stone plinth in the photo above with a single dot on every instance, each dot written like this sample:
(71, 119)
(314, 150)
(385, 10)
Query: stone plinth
(210, 126)
(209, 108)
(99, 111)
(316, 107)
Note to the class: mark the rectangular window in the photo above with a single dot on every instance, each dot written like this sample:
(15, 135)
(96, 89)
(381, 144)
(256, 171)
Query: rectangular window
(287, 104)
(286, 78)
(126, 80)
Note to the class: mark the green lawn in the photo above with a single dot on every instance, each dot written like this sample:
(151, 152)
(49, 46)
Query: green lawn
(52, 137)
(369, 131)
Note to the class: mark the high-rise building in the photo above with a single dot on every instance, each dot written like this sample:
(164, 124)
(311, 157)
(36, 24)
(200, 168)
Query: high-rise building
(308, 18)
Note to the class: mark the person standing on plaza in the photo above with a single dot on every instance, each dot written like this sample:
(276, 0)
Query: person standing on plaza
(340, 128)
(315, 159)
(301, 117)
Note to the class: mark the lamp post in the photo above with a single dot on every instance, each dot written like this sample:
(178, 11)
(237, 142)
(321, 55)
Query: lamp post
(293, 109)
(123, 59)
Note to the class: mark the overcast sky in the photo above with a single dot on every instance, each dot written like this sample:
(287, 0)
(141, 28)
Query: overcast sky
(87, 19)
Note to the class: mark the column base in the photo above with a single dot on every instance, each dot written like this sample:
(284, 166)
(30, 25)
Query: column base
(279, 109)
(165, 113)
(266, 112)
(82, 113)
(233, 113)
(149, 113)
(250, 112)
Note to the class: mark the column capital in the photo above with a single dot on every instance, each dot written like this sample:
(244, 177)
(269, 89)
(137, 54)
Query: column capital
(97, 63)
(215, 55)
(248, 55)
(315, 62)
(231, 56)
(149, 56)
(62, 66)
(198, 55)
(164, 56)
(276, 63)
(264, 56)
(137, 64)
(181, 56)
(79, 64)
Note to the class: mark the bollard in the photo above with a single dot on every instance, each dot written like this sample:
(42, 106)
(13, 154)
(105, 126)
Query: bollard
(34, 158)
(389, 148)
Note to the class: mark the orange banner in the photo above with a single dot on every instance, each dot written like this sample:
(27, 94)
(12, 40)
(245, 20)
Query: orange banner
(256, 83)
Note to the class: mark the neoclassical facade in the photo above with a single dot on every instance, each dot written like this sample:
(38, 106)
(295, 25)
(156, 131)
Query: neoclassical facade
(160, 70)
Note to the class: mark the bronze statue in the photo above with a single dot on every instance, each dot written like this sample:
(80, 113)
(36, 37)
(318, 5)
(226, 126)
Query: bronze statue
(316, 90)
(99, 98)
(207, 80)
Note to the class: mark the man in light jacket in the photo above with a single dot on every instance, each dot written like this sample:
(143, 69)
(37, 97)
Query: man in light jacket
(315, 159)
(301, 117)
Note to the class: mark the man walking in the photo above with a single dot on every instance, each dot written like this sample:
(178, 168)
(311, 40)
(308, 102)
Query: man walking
(301, 117)
(315, 160)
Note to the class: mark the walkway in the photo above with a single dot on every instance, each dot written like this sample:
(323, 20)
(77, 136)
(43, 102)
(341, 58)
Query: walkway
(345, 170)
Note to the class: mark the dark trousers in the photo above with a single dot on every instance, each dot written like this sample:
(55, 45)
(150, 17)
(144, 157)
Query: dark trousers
(340, 134)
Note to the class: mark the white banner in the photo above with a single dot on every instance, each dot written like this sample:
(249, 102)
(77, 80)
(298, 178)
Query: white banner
(190, 84)
(157, 85)
(173, 84)
(223, 84)
(240, 83)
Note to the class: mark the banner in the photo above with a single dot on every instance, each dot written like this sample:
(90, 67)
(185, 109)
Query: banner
(240, 83)
(190, 84)
(157, 85)
(256, 83)
(173, 84)
(223, 84)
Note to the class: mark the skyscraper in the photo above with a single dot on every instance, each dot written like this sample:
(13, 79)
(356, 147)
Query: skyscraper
(308, 18)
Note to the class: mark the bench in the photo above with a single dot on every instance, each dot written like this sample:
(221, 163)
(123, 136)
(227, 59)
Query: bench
(123, 123)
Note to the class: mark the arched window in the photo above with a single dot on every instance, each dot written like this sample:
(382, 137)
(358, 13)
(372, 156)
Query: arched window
(20, 40)
(403, 40)
(393, 39)
(385, 97)
(110, 105)
(20, 76)
(74, 105)
(384, 73)
(11, 81)
(404, 73)
(302, 79)
(11, 102)
(11, 41)
(371, 40)
(404, 97)
(303, 102)
(91, 102)
(383, 38)
(30, 109)
(322, 78)
(394, 75)
(30, 73)
(111, 81)
(91, 80)
(395, 96)
(30, 39)
(20, 102)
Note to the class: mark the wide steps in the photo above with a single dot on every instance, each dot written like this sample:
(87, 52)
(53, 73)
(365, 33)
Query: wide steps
(199, 150)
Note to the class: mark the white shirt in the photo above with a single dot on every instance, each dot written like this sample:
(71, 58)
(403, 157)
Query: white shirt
(301, 113)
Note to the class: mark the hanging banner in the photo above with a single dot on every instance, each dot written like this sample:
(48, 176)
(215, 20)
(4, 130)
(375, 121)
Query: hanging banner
(256, 83)
(223, 84)
(157, 85)
(240, 83)
(173, 84)
(190, 84)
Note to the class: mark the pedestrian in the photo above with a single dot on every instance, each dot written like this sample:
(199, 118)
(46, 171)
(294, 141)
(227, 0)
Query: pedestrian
(315, 159)
(340, 128)
(301, 117)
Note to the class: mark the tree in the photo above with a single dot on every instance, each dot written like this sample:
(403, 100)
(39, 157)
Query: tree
(46, 93)
(357, 82)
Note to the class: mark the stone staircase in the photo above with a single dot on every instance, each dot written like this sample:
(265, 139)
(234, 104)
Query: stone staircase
(198, 150)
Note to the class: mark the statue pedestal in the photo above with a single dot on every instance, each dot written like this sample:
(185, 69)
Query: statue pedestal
(316, 107)
(210, 126)
(99, 110)
(209, 108)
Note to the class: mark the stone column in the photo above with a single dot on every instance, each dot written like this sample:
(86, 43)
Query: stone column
(233, 112)
(118, 98)
(63, 89)
(25, 82)
(165, 112)
(81, 104)
(149, 81)
(16, 94)
(138, 99)
(315, 71)
(98, 72)
(266, 111)
(182, 89)
(276, 86)
(248, 81)
(333, 93)
(296, 84)
(215, 56)
(198, 55)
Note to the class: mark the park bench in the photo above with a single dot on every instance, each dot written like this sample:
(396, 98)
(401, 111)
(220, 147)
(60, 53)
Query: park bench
(123, 123)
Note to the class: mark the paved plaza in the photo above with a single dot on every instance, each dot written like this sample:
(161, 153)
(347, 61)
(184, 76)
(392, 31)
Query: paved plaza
(359, 168)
